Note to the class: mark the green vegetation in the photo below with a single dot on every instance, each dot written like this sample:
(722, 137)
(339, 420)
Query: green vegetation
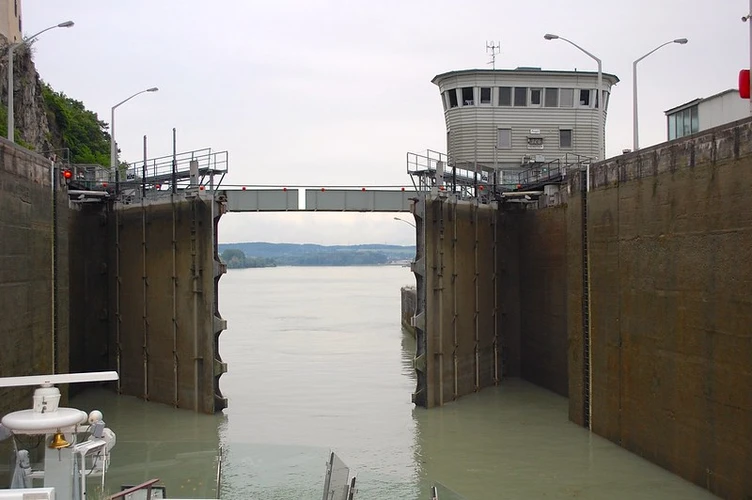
(236, 259)
(80, 130)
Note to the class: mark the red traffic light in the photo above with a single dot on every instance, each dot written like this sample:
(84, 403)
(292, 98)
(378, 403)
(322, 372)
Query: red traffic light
(67, 174)
(744, 84)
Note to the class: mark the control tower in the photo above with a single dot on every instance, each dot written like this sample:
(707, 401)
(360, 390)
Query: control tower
(507, 121)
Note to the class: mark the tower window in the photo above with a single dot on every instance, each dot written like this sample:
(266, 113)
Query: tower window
(485, 95)
(468, 98)
(504, 138)
(520, 96)
(505, 96)
(535, 97)
(585, 97)
(565, 138)
(566, 98)
(452, 98)
(552, 98)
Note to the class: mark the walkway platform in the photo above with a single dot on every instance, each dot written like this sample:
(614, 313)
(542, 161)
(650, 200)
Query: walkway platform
(318, 200)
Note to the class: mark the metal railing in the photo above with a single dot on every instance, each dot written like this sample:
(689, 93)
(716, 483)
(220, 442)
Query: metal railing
(148, 485)
(483, 181)
(465, 179)
(176, 169)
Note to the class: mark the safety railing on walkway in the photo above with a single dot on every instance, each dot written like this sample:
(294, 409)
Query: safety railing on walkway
(483, 181)
(147, 486)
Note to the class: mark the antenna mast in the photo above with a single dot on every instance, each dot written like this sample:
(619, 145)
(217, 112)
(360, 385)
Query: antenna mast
(494, 48)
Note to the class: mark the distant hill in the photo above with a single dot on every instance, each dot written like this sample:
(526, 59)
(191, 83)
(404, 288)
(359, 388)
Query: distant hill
(308, 254)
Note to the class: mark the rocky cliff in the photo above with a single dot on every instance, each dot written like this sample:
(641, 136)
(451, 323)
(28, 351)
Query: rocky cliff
(30, 114)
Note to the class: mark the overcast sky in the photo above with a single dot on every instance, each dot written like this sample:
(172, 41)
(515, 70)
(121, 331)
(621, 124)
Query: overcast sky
(336, 92)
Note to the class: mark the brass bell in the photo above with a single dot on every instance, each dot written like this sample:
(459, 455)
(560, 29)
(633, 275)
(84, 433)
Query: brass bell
(58, 442)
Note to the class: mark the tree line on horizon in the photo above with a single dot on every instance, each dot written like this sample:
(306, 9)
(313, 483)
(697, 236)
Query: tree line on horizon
(237, 259)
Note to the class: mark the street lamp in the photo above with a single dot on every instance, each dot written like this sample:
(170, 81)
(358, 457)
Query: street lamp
(635, 132)
(599, 97)
(113, 145)
(403, 220)
(11, 48)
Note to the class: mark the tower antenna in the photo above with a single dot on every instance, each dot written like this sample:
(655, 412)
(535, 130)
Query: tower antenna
(494, 48)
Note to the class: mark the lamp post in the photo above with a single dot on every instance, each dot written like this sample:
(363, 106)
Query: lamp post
(599, 97)
(635, 131)
(403, 220)
(113, 144)
(11, 48)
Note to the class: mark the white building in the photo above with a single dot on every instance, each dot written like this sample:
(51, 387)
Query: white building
(702, 114)
(508, 120)
(10, 20)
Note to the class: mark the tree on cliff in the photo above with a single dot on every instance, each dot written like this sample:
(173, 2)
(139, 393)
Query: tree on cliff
(80, 130)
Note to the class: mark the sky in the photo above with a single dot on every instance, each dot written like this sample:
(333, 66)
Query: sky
(336, 92)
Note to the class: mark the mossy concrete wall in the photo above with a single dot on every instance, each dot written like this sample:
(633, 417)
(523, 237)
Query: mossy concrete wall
(33, 271)
(670, 250)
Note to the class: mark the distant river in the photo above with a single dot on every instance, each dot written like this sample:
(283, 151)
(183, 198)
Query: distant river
(318, 361)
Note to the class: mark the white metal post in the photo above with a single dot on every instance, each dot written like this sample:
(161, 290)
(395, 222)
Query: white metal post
(113, 144)
(113, 147)
(635, 127)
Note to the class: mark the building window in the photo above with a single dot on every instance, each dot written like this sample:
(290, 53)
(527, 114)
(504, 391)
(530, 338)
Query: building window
(683, 123)
(671, 127)
(504, 138)
(443, 100)
(535, 97)
(552, 98)
(505, 96)
(15, 10)
(565, 138)
(585, 98)
(687, 121)
(485, 95)
(467, 96)
(566, 98)
(452, 98)
(520, 96)
(695, 120)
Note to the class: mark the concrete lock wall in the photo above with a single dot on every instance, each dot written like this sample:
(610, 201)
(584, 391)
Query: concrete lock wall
(457, 323)
(670, 251)
(89, 287)
(33, 271)
(164, 293)
(543, 297)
